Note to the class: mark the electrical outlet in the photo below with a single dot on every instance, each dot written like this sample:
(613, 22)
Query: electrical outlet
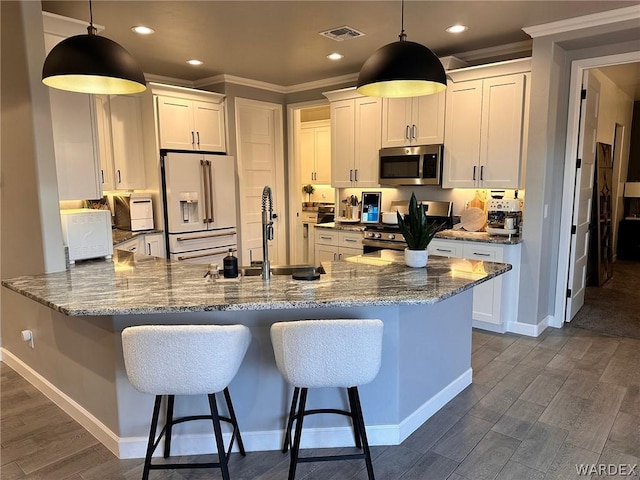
(27, 336)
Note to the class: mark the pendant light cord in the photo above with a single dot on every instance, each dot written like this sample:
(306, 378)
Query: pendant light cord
(402, 36)
(91, 30)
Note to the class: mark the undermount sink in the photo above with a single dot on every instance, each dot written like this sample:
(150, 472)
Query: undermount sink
(256, 270)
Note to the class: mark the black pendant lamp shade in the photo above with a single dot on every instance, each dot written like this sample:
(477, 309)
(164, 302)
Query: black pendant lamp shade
(92, 64)
(402, 69)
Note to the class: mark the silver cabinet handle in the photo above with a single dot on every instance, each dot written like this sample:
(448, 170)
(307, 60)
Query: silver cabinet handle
(356, 175)
(148, 248)
(351, 175)
(119, 177)
(326, 238)
(193, 140)
(407, 132)
(474, 173)
(350, 240)
(198, 134)
(482, 172)
(102, 175)
(414, 131)
(443, 250)
(482, 254)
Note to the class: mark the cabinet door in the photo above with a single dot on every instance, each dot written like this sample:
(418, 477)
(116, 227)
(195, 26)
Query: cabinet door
(134, 245)
(154, 245)
(209, 128)
(348, 252)
(323, 155)
(342, 143)
(127, 142)
(486, 296)
(307, 155)
(427, 119)
(326, 253)
(462, 134)
(368, 127)
(105, 151)
(501, 140)
(396, 122)
(175, 118)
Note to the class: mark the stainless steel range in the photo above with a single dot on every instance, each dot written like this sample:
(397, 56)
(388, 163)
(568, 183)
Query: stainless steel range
(387, 236)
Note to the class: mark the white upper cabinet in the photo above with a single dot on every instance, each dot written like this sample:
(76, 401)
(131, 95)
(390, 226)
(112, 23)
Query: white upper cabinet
(315, 151)
(191, 120)
(356, 124)
(413, 121)
(73, 124)
(120, 138)
(485, 128)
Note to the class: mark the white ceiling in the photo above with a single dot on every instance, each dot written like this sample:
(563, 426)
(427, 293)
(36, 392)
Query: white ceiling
(278, 41)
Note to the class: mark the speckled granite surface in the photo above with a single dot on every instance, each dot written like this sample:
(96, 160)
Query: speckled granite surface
(135, 284)
(121, 236)
(444, 234)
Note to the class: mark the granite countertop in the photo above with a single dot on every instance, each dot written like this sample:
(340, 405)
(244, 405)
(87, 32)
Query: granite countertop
(121, 236)
(140, 284)
(443, 234)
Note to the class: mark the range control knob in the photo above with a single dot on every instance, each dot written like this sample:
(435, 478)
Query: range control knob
(392, 236)
(377, 235)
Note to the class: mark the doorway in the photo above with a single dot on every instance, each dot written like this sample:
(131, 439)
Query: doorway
(569, 272)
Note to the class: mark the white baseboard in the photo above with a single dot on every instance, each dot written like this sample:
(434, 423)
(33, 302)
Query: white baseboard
(76, 411)
(196, 444)
(529, 329)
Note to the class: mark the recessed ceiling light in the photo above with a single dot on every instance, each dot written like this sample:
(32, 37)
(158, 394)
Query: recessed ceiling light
(335, 56)
(142, 30)
(457, 28)
(194, 62)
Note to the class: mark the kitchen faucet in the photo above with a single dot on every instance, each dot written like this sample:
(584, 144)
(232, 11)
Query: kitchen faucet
(267, 230)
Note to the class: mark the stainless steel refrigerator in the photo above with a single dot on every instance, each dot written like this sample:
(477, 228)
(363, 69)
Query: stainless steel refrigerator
(199, 194)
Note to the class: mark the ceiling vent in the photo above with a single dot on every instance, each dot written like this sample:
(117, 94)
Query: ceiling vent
(341, 33)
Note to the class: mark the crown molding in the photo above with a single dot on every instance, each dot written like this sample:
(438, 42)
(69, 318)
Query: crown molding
(246, 82)
(492, 52)
(325, 82)
(153, 78)
(586, 21)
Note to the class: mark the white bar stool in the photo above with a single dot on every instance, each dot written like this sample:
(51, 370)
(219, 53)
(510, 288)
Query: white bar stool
(327, 353)
(186, 360)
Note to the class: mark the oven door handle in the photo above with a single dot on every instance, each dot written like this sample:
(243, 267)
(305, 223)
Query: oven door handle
(381, 244)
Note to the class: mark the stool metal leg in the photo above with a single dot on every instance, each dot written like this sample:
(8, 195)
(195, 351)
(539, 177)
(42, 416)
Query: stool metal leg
(169, 424)
(152, 437)
(234, 422)
(363, 432)
(218, 434)
(292, 413)
(295, 448)
(354, 419)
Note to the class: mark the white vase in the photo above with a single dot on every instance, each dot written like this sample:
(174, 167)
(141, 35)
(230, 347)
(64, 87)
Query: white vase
(416, 258)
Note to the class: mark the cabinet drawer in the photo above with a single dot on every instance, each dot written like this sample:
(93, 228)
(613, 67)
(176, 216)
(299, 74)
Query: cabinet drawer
(310, 217)
(350, 240)
(446, 249)
(327, 237)
(483, 252)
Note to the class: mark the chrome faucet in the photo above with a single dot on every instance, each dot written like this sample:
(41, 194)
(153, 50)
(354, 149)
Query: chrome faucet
(267, 230)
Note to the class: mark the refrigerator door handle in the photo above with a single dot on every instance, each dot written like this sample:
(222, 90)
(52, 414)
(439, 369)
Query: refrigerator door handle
(211, 219)
(205, 187)
(207, 254)
(200, 237)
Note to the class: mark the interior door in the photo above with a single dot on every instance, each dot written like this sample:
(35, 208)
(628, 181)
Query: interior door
(260, 163)
(185, 192)
(582, 203)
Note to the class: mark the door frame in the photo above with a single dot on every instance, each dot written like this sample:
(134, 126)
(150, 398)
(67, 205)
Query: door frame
(578, 67)
(279, 188)
(295, 169)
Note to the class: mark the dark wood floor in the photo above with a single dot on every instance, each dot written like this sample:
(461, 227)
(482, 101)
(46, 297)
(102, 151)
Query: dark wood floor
(536, 408)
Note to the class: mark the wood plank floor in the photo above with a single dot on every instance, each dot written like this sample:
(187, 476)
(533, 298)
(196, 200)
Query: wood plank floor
(536, 408)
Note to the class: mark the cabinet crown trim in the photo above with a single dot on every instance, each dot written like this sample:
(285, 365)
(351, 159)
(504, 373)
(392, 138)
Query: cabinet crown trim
(186, 93)
(498, 69)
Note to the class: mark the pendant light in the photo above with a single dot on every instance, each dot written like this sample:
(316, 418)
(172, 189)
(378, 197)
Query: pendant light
(92, 64)
(402, 69)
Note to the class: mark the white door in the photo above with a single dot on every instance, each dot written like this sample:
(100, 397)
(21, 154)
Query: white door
(582, 197)
(260, 163)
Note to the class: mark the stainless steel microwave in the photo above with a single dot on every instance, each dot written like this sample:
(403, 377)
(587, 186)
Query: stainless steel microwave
(419, 165)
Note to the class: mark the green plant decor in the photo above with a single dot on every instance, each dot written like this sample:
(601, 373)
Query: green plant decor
(308, 189)
(417, 232)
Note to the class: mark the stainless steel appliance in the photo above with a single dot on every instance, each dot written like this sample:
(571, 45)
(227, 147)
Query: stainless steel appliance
(199, 197)
(504, 216)
(384, 236)
(419, 165)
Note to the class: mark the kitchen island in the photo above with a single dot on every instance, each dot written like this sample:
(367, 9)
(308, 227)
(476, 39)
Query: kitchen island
(77, 317)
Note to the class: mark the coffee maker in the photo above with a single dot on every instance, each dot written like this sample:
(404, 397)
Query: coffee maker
(504, 216)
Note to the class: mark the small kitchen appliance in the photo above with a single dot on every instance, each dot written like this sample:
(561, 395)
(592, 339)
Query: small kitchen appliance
(504, 216)
(87, 233)
(387, 236)
(133, 212)
(371, 207)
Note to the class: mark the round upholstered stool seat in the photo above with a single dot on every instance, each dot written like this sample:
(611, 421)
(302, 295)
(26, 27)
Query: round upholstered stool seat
(186, 360)
(327, 353)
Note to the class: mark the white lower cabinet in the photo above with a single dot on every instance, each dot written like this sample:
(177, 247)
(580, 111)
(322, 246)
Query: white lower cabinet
(151, 244)
(332, 245)
(495, 302)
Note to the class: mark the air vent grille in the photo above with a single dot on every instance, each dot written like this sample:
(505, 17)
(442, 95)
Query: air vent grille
(341, 33)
